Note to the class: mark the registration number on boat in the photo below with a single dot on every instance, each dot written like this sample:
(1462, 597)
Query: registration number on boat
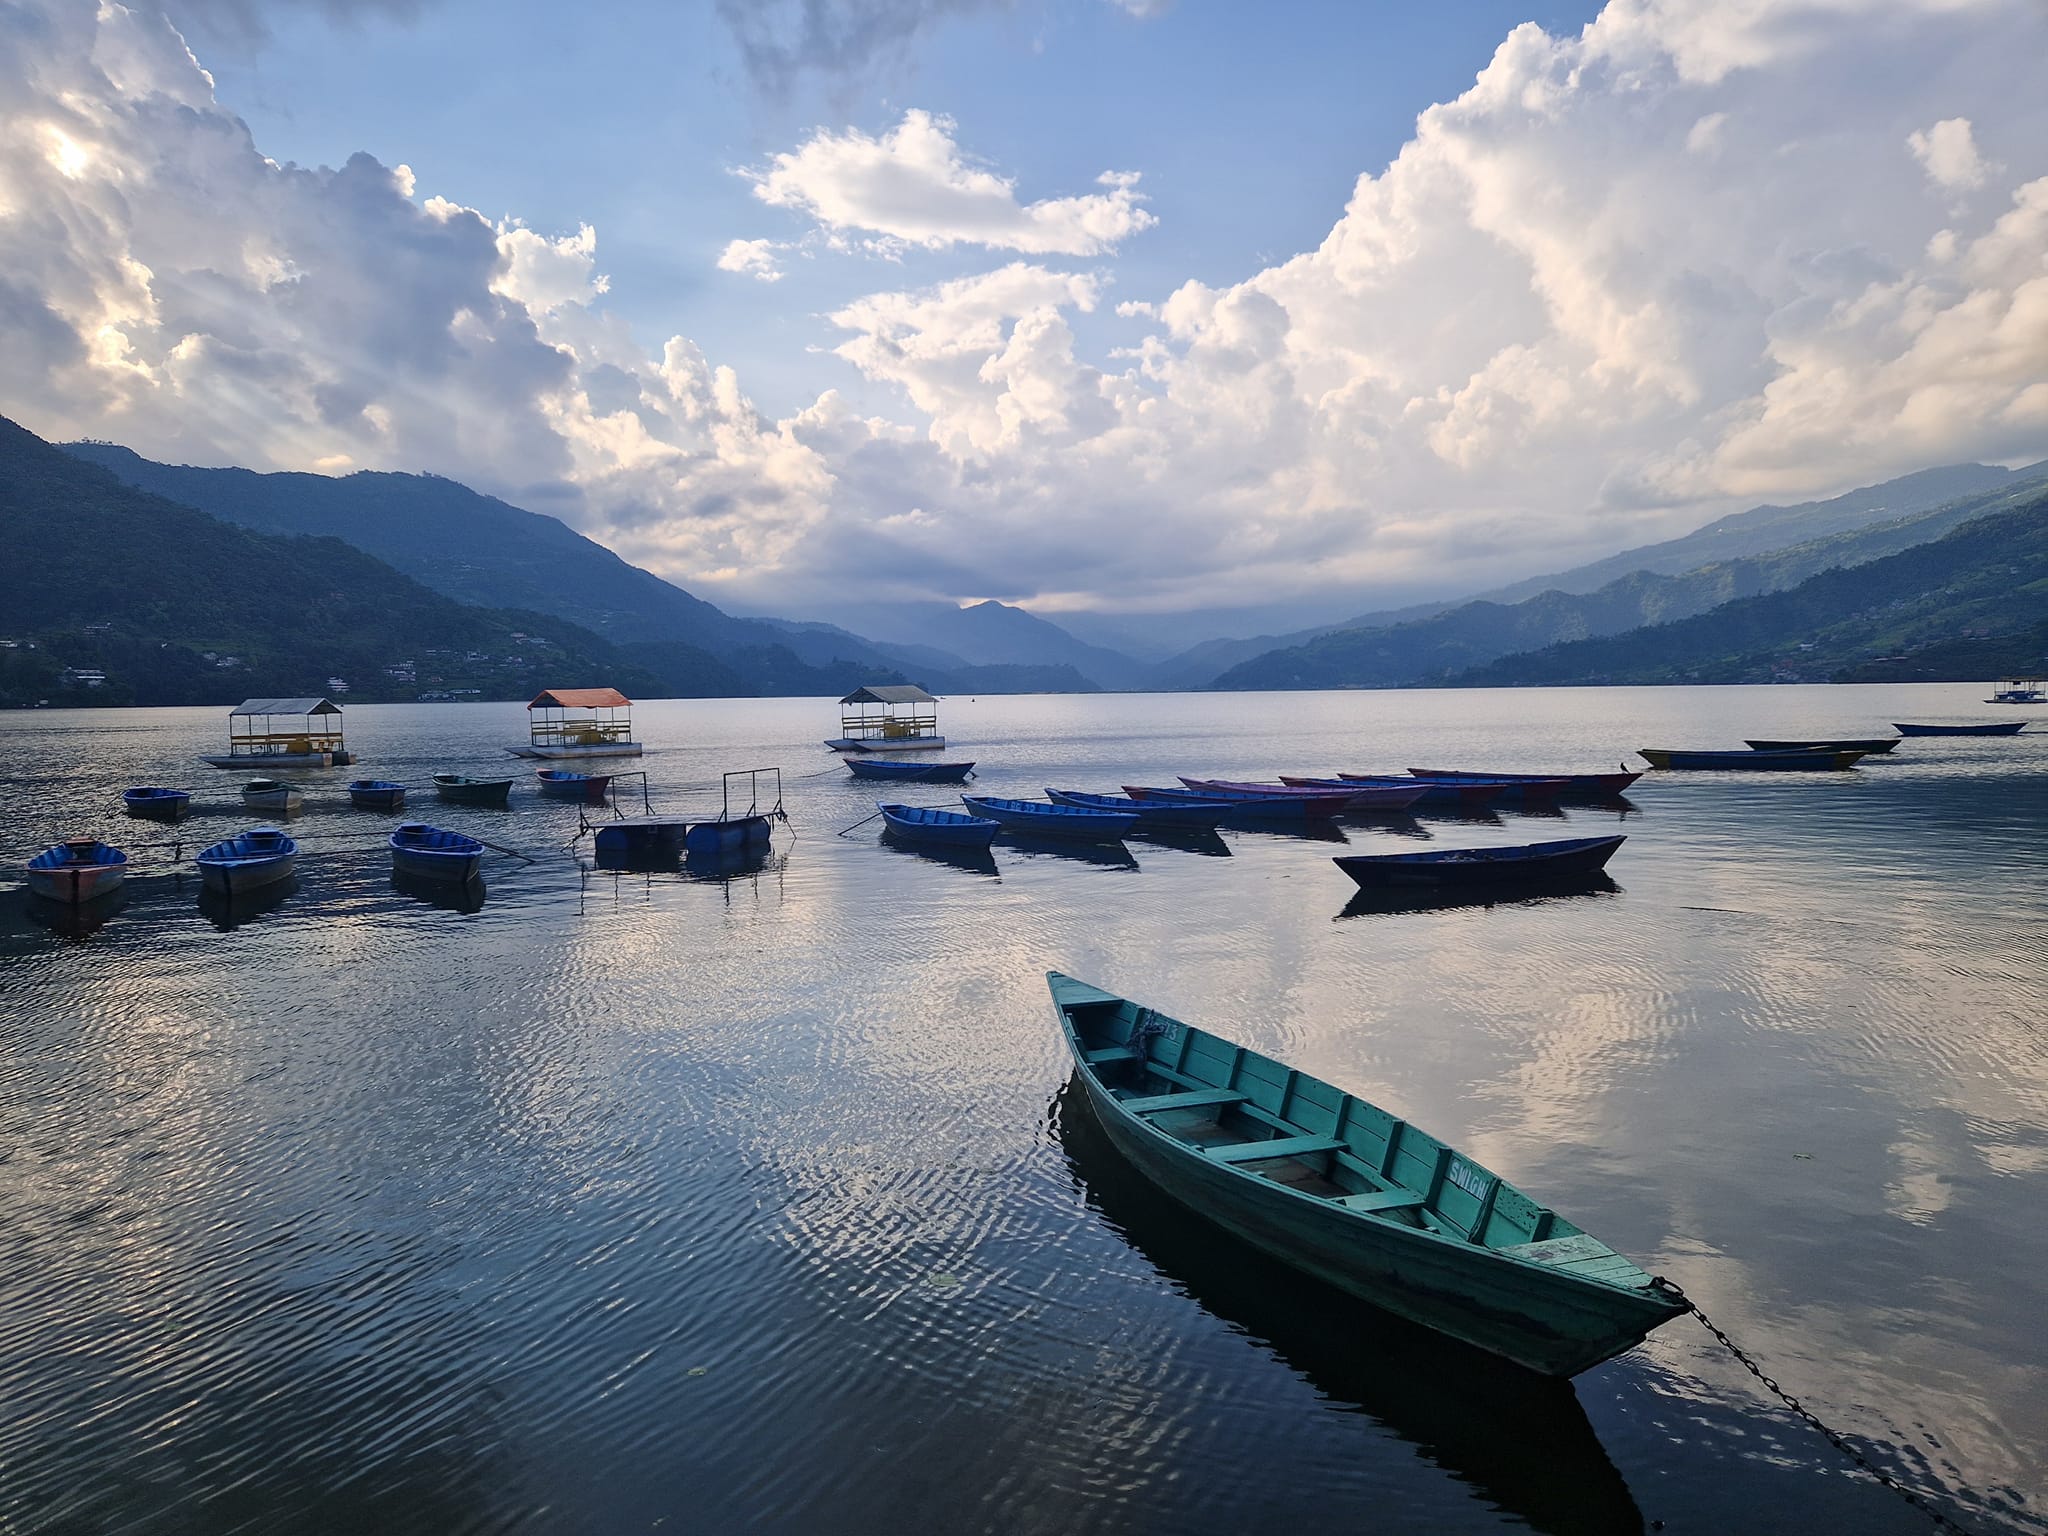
(1468, 1178)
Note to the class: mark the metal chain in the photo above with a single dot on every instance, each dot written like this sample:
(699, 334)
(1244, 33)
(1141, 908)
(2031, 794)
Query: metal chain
(1911, 1496)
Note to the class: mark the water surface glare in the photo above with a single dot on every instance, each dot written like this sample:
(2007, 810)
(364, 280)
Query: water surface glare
(603, 1201)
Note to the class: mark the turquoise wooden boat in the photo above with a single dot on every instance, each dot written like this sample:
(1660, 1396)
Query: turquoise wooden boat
(1342, 1190)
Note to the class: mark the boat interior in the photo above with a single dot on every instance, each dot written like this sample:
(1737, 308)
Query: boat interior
(1241, 1108)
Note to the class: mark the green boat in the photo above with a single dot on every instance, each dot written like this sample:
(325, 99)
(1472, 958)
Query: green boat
(460, 789)
(1344, 1191)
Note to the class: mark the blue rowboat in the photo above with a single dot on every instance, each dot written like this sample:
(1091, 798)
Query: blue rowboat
(376, 795)
(261, 856)
(928, 824)
(157, 804)
(921, 773)
(76, 870)
(1540, 786)
(561, 784)
(432, 853)
(2001, 728)
(1342, 1190)
(460, 789)
(1150, 813)
(1868, 744)
(1562, 859)
(1296, 808)
(1468, 794)
(1039, 819)
(271, 795)
(1775, 762)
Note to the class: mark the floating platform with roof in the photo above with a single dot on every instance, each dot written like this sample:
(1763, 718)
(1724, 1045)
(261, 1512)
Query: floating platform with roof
(888, 718)
(283, 733)
(579, 722)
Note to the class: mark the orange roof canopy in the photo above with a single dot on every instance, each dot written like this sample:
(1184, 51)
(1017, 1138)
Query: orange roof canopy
(580, 698)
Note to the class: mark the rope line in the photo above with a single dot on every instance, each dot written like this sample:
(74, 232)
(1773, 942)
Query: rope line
(1834, 1437)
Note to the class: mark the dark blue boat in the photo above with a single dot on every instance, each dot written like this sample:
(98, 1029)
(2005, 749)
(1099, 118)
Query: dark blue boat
(157, 804)
(561, 784)
(376, 795)
(928, 824)
(1292, 810)
(1150, 813)
(920, 773)
(1042, 820)
(1563, 859)
(258, 857)
(433, 853)
(2001, 728)
(77, 870)
(1810, 761)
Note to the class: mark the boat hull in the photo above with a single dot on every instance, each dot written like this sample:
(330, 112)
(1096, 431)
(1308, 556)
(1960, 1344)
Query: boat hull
(718, 838)
(156, 807)
(2001, 728)
(1467, 794)
(235, 877)
(475, 792)
(1522, 787)
(955, 831)
(588, 788)
(919, 773)
(75, 884)
(1751, 762)
(1188, 816)
(1066, 821)
(392, 799)
(443, 867)
(286, 801)
(1279, 809)
(887, 745)
(277, 760)
(559, 754)
(1563, 859)
(1868, 745)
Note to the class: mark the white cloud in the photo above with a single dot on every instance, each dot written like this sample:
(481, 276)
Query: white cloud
(913, 185)
(1628, 279)
(1948, 153)
(756, 258)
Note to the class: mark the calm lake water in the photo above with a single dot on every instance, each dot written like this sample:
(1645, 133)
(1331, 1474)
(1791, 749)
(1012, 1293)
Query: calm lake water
(635, 1202)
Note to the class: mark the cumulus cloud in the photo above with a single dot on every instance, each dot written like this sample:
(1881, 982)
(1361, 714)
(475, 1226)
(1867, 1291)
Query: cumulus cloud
(1680, 261)
(755, 258)
(914, 185)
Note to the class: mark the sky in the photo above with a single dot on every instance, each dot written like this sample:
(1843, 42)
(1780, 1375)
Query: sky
(1258, 314)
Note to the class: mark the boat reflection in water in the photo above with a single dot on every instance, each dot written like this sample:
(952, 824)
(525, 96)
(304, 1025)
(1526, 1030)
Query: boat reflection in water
(1520, 1440)
(76, 919)
(228, 913)
(729, 863)
(1386, 899)
(449, 895)
(1205, 841)
(977, 861)
(1106, 855)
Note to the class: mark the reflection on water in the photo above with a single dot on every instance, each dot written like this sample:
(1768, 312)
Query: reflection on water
(1205, 841)
(76, 919)
(1366, 901)
(1102, 855)
(1520, 1439)
(228, 912)
(448, 895)
(726, 1199)
(978, 860)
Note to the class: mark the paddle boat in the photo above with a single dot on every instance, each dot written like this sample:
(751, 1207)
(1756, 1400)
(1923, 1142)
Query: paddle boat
(433, 853)
(1467, 794)
(929, 824)
(579, 722)
(283, 733)
(1038, 819)
(1340, 1189)
(561, 784)
(155, 804)
(2020, 690)
(261, 856)
(923, 773)
(270, 795)
(2000, 728)
(1866, 745)
(888, 717)
(1561, 859)
(460, 789)
(376, 795)
(76, 870)
(1524, 787)
(1299, 806)
(1152, 814)
(1821, 761)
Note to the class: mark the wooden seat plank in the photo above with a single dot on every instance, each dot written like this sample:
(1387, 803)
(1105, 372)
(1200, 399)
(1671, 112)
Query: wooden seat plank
(1197, 1098)
(1281, 1146)
(1383, 1200)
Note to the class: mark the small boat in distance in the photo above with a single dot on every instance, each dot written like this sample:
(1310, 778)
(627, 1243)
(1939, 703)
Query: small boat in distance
(929, 824)
(1151, 814)
(261, 856)
(1997, 728)
(2020, 690)
(76, 870)
(283, 733)
(1540, 786)
(1340, 1189)
(561, 784)
(1822, 761)
(579, 722)
(270, 795)
(432, 853)
(1562, 859)
(1867, 745)
(156, 804)
(862, 767)
(376, 795)
(460, 789)
(1040, 819)
(888, 717)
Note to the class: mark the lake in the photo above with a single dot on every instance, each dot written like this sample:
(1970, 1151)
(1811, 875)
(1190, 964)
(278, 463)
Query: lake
(651, 1202)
